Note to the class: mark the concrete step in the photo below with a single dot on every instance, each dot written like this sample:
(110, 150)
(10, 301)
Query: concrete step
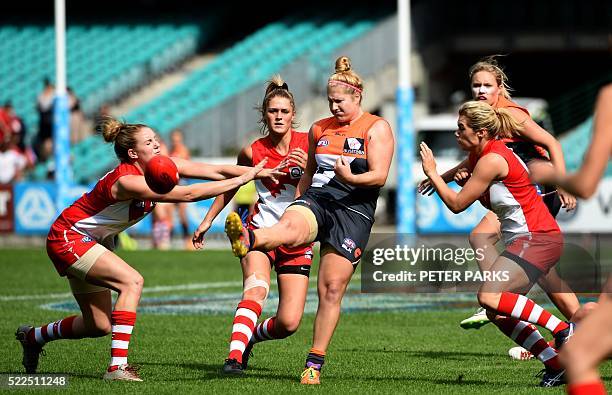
(160, 84)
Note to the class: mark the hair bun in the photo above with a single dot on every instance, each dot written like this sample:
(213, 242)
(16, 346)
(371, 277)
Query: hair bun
(343, 64)
(110, 128)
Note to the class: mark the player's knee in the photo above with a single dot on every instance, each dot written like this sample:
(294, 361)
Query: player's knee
(98, 327)
(488, 300)
(473, 239)
(257, 294)
(333, 292)
(256, 288)
(584, 311)
(480, 240)
(133, 284)
(101, 329)
(288, 325)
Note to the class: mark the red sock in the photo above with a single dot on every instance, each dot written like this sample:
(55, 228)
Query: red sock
(61, 329)
(525, 309)
(246, 317)
(265, 331)
(593, 388)
(527, 336)
(123, 324)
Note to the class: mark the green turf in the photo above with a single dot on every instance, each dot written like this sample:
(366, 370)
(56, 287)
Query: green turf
(373, 352)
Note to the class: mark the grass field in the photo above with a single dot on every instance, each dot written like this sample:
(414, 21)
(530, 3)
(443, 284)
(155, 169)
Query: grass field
(181, 336)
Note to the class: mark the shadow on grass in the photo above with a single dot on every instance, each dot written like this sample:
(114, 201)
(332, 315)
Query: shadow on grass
(453, 355)
(209, 371)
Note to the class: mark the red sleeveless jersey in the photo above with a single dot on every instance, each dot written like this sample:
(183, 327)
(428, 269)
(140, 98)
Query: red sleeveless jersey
(99, 215)
(515, 199)
(273, 198)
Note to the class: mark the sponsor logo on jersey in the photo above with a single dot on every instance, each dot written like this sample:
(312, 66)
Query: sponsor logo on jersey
(348, 244)
(302, 201)
(322, 143)
(295, 172)
(357, 252)
(353, 146)
(308, 255)
(86, 239)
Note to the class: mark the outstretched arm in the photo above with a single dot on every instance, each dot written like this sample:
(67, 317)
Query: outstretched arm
(135, 187)
(536, 134)
(584, 182)
(204, 171)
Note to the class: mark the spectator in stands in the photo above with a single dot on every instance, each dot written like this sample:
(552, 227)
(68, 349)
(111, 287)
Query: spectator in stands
(11, 122)
(162, 216)
(179, 149)
(78, 130)
(5, 123)
(103, 112)
(14, 131)
(11, 162)
(44, 106)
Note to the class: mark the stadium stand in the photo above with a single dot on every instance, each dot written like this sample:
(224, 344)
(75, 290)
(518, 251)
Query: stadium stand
(104, 61)
(247, 63)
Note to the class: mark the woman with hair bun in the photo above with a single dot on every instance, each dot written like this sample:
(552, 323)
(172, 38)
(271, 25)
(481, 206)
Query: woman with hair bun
(349, 156)
(82, 239)
(532, 238)
(287, 148)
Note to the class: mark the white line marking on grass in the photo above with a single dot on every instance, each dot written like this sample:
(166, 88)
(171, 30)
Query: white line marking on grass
(158, 288)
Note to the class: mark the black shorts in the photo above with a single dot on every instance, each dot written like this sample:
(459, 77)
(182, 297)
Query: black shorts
(344, 229)
(551, 199)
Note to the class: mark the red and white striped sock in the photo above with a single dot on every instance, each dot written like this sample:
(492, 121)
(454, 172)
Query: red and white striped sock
(527, 336)
(246, 317)
(123, 324)
(265, 331)
(525, 309)
(590, 388)
(61, 329)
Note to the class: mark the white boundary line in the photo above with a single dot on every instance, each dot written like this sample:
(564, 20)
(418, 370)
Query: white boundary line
(159, 288)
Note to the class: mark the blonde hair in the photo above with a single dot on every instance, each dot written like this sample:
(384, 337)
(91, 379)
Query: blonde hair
(276, 88)
(490, 65)
(346, 77)
(499, 123)
(121, 134)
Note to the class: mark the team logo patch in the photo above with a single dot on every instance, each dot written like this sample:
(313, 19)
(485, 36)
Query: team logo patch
(86, 239)
(357, 252)
(353, 146)
(295, 172)
(348, 244)
(322, 143)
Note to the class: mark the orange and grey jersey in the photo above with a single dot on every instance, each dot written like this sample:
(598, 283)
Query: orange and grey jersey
(351, 141)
